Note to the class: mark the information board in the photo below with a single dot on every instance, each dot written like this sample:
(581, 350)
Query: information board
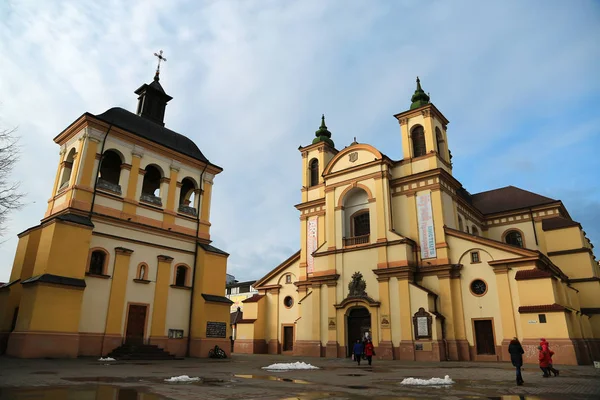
(216, 329)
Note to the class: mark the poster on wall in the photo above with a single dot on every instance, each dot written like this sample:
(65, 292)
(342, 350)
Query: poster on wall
(311, 244)
(425, 220)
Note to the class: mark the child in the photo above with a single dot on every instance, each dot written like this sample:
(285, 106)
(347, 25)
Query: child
(544, 359)
(357, 351)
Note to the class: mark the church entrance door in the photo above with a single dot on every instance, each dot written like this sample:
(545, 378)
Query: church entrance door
(136, 323)
(484, 336)
(288, 338)
(359, 322)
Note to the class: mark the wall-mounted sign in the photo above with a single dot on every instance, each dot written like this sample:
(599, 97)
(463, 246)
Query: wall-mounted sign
(175, 333)
(385, 321)
(311, 243)
(331, 324)
(426, 229)
(216, 329)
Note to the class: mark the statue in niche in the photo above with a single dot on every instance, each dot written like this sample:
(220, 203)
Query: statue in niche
(357, 286)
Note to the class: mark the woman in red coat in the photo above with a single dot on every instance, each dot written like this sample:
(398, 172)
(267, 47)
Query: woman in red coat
(369, 351)
(545, 360)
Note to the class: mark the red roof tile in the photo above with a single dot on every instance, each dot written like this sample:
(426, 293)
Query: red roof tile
(542, 308)
(532, 274)
(549, 224)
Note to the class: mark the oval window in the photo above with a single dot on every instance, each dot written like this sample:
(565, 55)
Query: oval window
(288, 301)
(478, 287)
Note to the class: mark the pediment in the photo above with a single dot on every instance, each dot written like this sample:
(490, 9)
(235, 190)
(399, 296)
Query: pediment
(352, 156)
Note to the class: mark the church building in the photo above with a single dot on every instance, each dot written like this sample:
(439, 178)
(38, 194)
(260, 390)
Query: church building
(123, 255)
(399, 252)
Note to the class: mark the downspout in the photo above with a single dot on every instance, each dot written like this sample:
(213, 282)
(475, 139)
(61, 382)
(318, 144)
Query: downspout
(97, 172)
(533, 224)
(189, 339)
(92, 209)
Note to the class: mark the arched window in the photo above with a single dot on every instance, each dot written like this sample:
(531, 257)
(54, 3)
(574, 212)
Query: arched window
(357, 222)
(110, 171)
(418, 141)
(67, 167)
(151, 185)
(514, 238)
(439, 139)
(475, 231)
(97, 262)
(314, 172)
(460, 224)
(187, 196)
(180, 276)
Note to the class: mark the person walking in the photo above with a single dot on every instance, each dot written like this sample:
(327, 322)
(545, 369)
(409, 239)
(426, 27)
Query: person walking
(544, 359)
(369, 351)
(516, 357)
(358, 351)
(546, 347)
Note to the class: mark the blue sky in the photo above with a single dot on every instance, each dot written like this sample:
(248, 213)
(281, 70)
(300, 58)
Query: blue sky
(250, 79)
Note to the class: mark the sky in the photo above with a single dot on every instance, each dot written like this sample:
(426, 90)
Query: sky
(518, 81)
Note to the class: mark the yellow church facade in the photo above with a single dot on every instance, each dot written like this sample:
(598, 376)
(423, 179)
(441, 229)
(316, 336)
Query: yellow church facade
(400, 252)
(123, 254)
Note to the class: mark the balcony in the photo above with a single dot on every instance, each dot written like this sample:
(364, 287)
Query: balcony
(111, 187)
(356, 240)
(187, 210)
(152, 199)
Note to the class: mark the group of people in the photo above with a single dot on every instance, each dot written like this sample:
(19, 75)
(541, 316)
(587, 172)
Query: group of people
(545, 358)
(364, 348)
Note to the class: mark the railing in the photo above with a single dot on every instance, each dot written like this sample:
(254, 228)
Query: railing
(187, 210)
(353, 241)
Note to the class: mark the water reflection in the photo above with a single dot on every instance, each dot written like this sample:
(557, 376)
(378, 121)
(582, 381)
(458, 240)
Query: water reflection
(272, 378)
(96, 392)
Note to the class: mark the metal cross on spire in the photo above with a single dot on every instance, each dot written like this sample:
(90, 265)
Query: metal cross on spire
(160, 58)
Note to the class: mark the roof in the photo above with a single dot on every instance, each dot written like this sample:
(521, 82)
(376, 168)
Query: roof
(535, 273)
(76, 219)
(254, 298)
(549, 224)
(152, 131)
(506, 199)
(542, 308)
(236, 316)
(212, 249)
(56, 279)
(216, 299)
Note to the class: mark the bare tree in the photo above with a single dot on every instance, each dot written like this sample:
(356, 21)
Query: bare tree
(10, 197)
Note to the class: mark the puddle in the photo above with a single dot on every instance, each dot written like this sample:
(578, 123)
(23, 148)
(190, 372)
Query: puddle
(272, 378)
(43, 373)
(96, 392)
(353, 375)
(145, 379)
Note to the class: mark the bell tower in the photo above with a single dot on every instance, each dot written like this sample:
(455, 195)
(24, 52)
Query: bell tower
(424, 139)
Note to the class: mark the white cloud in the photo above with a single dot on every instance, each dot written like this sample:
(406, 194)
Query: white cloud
(250, 80)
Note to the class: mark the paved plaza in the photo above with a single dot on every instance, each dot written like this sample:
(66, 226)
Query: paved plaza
(242, 377)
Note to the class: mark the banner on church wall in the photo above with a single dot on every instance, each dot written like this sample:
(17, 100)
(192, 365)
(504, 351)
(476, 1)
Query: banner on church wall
(426, 231)
(311, 243)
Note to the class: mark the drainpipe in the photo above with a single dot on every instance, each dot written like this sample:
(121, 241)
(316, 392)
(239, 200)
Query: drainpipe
(533, 224)
(187, 351)
(92, 210)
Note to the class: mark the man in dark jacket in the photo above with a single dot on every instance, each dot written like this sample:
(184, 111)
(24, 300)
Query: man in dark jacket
(358, 351)
(516, 357)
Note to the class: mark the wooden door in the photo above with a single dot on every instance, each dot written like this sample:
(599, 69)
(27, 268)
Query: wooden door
(484, 337)
(136, 323)
(288, 338)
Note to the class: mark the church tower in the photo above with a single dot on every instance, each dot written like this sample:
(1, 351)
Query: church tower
(424, 139)
(123, 255)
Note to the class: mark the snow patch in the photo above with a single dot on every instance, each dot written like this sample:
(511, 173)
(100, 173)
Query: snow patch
(182, 378)
(427, 382)
(288, 366)
(106, 359)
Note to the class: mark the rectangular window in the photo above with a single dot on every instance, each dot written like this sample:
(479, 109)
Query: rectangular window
(475, 257)
(288, 279)
(542, 318)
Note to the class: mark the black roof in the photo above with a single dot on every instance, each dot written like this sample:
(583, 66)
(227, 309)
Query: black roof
(216, 299)
(56, 279)
(152, 131)
(212, 249)
(507, 199)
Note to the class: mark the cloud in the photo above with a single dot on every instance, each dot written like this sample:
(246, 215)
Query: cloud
(250, 80)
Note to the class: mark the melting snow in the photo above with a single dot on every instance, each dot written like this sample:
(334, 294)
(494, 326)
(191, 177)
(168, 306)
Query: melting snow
(182, 378)
(106, 359)
(288, 366)
(426, 382)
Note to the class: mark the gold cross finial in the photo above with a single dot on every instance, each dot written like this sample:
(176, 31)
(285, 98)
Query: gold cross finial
(160, 58)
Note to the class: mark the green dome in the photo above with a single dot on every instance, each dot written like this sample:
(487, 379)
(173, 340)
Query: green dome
(322, 134)
(420, 98)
